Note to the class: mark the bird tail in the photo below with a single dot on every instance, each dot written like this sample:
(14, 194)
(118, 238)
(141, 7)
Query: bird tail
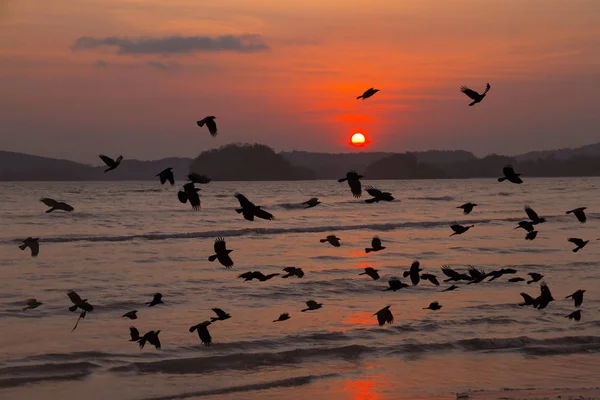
(23, 246)
(73, 308)
(528, 282)
(367, 250)
(342, 179)
(306, 309)
(213, 319)
(576, 249)
(501, 179)
(106, 170)
(50, 209)
(275, 320)
(359, 97)
(323, 240)
(212, 258)
(364, 273)
(239, 210)
(192, 328)
(369, 201)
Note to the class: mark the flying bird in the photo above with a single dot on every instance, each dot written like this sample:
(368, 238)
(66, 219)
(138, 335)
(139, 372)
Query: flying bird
(250, 210)
(535, 277)
(150, 337)
(210, 124)
(251, 275)
(473, 95)
(283, 317)
(332, 240)
(497, 274)
(531, 235)
(56, 205)
(510, 175)
(110, 163)
(33, 244)
(81, 316)
(478, 275)
(576, 315)
(293, 271)
(528, 226)
(166, 175)
(467, 207)
(157, 299)
(533, 216)
(577, 297)
(544, 298)
(459, 229)
(372, 272)
(433, 306)
(221, 253)
(130, 314)
(431, 278)
(368, 93)
(580, 243)
(375, 245)
(134, 333)
(312, 305)
(527, 300)
(413, 272)
(221, 315)
(203, 334)
(78, 302)
(190, 193)
(579, 213)
(32, 303)
(312, 202)
(378, 195)
(453, 275)
(384, 316)
(354, 182)
(197, 178)
(395, 284)
(451, 288)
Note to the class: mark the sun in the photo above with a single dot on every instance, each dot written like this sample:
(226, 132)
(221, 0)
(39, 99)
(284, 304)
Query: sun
(358, 139)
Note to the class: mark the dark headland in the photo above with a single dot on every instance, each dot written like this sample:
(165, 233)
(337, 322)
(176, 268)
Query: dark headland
(256, 162)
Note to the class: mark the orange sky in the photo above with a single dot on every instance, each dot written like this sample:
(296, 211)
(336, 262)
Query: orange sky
(296, 88)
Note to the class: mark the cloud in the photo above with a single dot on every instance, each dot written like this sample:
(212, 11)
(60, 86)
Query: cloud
(100, 64)
(175, 44)
(163, 66)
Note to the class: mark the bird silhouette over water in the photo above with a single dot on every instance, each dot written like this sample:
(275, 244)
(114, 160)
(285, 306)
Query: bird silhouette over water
(459, 229)
(251, 275)
(368, 93)
(56, 205)
(250, 210)
(130, 314)
(200, 179)
(32, 303)
(576, 315)
(531, 235)
(221, 253)
(78, 302)
(395, 284)
(332, 240)
(413, 272)
(312, 202)
(580, 243)
(473, 95)
(33, 244)
(528, 226)
(453, 275)
(510, 175)
(221, 315)
(467, 207)
(533, 216)
(384, 316)
(497, 274)
(535, 277)
(577, 297)
(372, 272)
(150, 337)
(433, 306)
(157, 299)
(210, 124)
(190, 193)
(431, 278)
(579, 213)
(451, 288)
(282, 317)
(166, 175)
(312, 305)
(378, 195)
(110, 163)
(134, 333)
(527, 300)
(544, 298)
(375, 245)
(478, 275)
(293, 271)
(353, 182)
(203, 334)
(81, 316)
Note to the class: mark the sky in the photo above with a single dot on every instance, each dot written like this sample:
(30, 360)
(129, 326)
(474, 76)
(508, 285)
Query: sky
(131, 77)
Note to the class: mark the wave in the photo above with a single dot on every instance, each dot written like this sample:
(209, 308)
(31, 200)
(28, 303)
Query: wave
(433, 198)
(27, 374)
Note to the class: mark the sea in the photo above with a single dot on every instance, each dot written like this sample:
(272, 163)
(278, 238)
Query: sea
(126, 241)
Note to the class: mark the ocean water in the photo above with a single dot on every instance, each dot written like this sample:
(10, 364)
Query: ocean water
(127, 240)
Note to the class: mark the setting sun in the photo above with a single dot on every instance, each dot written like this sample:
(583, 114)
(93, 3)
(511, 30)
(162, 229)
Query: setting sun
(358, 139)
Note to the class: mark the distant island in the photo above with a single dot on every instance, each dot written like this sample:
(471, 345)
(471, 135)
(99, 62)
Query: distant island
(257, 162)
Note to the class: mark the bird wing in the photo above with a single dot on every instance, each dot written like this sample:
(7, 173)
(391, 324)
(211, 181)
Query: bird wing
(528, 299)
(580, 214)
(35, 248)
(48, 201)
(31, 302)
(373, 192)
(508, 170)
(107, 160)
(135, 334)
(220, 313)
(376, 242)
(355, 187)
(474, 272)
(260, 213)
(75, 298)
(157, 297)
(449, 272)
(244, 202)
(170, 177)
(212, 127)
(154, 340)
(204, 334)
(311, 303)
(311, 201)
(469, 92)
(220, 245)
(531, 214)
(299, 272)
(290, 270)
(576, 241)
(456, 227)
(545, 290)
(245, 275)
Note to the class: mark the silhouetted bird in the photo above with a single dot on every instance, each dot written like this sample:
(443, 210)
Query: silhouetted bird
(368, 93)
(78, 302)
(431, 278)
(251, 275)
(579, 213)
(544, 298)
(577, 297)
(332, 240)
(499, 273)
(527, 300)
(130, 314)
(157, 299)
(453, 275)
(221, 315)
(413, 272)
(210, 124)
(576, 315)
(528, 226)
(375, 245)
(433, 306)
(283, 317)
(580, 243)
(510, 175)
(312, 305)
(33, 244)
(378, 195)
(476, 97)
(384, 316)
(56, 205)
(166, 175)
(533, 216)
(372, 272)
(478, 275)
(150, 337)
(517, 279)
(81, 316)
(190, 192)
(110, 163)
(32, 303)
(535, 277)
(250, 210)
(293, 271)
(203, 334)
(451, 288)
(312, 202)
(531, 235)
(197, 178)
(395, 284)
(221, 253)
(467, 207)
(459, 229)
(134, 333)
(354, 182)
